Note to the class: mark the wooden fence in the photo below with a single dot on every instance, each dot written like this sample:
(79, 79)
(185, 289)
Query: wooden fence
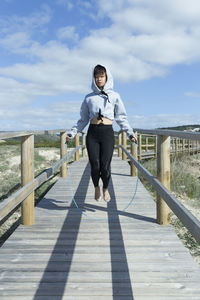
(163, 149)
(147, 146)
(25, 195)
(165, 200)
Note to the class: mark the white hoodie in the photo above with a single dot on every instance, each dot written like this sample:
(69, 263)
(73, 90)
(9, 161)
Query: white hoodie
(111, 107)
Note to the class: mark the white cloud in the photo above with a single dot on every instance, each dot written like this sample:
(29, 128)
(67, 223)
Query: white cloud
(145, 38)
(66, 3)
(15, 42)
(36, 20)
(157, 32)
(86, 4)
(163, 120)
(192, 94)
(64, 108)
(67, 32)
(64, 115)
(14, 93)
(87, 8)
(56, 115)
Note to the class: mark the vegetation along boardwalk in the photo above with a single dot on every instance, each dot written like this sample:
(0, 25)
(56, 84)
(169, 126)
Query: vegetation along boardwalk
(108, 254)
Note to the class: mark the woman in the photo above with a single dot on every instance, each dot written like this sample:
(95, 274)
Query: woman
(101, 107)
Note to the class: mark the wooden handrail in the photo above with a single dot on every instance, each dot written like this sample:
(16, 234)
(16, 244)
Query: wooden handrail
(25, 195)
(9, 204)
(14, 200)
(165, 199)
(174, 133)
(12, 134)
(185, 216)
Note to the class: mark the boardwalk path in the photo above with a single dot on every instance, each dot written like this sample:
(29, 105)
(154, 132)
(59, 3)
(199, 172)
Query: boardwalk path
(66, 255)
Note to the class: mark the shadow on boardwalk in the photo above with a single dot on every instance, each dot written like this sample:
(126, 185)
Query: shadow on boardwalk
(120, 269)
(65, 268)
(123, 258)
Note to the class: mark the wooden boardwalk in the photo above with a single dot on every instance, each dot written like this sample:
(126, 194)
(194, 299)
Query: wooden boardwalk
(69, 256)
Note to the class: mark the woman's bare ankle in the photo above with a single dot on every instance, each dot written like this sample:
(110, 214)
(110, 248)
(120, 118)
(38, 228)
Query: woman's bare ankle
(106, 195)
(97, 194)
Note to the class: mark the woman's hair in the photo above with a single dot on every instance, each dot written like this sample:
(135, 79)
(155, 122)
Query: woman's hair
(99, 70)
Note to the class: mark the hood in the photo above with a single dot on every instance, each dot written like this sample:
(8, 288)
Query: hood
(108, 87)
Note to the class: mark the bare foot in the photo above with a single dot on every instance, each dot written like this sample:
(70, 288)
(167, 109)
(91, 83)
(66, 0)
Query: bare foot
(97, 194)
(106, 195)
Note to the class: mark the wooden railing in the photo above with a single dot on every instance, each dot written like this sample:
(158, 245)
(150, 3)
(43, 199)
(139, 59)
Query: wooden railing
(147, 146)
(165, 200)
(25, 195)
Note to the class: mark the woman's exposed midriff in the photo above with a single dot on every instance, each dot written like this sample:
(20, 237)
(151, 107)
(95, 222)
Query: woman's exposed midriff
(104, 121)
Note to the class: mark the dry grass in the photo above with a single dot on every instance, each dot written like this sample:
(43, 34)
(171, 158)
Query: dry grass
(10, 179)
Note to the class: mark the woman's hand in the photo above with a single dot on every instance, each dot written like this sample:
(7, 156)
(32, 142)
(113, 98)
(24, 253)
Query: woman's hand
(134, 140)
(68, 138)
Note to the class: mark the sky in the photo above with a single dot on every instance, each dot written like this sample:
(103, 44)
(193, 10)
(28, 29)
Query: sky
(48, 50)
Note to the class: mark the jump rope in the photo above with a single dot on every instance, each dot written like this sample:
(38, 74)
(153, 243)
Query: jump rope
(73, 198)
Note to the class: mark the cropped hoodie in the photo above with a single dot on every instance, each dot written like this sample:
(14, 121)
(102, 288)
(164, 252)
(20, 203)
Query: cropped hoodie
(107, 103)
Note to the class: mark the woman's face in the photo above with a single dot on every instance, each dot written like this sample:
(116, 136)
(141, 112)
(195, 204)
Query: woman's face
(100, 80)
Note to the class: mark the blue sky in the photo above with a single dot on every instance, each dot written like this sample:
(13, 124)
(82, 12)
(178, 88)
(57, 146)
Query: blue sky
(49, 48)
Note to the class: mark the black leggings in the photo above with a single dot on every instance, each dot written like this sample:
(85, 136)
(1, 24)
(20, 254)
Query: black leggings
(100, 145)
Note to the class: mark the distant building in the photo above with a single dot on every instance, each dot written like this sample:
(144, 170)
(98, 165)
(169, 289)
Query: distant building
(193, 129)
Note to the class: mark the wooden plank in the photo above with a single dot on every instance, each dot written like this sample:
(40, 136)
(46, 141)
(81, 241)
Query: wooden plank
(99, 289)
(72, 277)
(97, 256)
(98, 266)
(81, 249)
(143, 297)
(92, 236)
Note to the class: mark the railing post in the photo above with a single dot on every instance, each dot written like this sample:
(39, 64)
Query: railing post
(134, 170)
(176, 152)
(156, 147)
(77, 156)
(172, 142)
(183, 141)
(124, 137)
(189, 143)
(193, 151)
(84, 150)
(140, 147)
(147, 141)
(163, 174)
(63, 153)
(119, 143)
(27, 175)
